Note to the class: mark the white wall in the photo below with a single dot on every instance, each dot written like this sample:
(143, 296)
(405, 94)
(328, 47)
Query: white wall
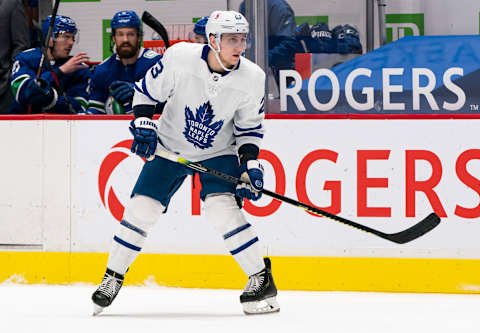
(50, 188)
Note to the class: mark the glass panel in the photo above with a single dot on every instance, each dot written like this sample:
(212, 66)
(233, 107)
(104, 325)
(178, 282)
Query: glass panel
(324, 67)
(308, 35)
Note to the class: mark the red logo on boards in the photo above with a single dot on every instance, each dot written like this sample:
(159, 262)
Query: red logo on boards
(109, 199)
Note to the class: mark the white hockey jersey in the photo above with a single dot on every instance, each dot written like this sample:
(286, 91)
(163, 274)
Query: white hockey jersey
(206, 114)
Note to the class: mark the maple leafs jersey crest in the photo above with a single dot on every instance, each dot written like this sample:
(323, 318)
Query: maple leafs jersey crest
(199, 129)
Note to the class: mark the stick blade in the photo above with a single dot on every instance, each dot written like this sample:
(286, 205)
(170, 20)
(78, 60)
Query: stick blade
(146, 16)
(418, 230)
(158, 27)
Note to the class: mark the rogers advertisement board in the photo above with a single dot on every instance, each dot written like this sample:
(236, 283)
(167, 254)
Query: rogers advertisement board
(417, 75)
(387, 174)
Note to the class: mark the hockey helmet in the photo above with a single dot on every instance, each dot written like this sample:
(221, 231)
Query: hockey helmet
(126, 19)
(225, 22)
(199, 27)
(62, 24)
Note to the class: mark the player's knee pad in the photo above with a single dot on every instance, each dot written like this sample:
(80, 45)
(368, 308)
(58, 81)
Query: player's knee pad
(223, 212)
(141, 213)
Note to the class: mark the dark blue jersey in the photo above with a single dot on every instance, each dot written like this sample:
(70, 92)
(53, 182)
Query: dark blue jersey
(282, 44)
(73, 84)
(112, 69)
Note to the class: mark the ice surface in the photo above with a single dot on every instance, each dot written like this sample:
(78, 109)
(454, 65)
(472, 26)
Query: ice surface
(65, 309)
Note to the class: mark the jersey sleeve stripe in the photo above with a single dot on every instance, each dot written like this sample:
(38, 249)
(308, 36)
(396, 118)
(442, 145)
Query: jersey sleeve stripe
(262, 109)
(17, 85)
(83, 102)
(258, 135)
(96, 104)
(137, 88)
(239, 129)
(262, 106)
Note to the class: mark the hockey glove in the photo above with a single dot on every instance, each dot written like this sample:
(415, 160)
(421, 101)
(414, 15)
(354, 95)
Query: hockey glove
(251, 173)
(144, 131)
(38, 92)
(122, 91)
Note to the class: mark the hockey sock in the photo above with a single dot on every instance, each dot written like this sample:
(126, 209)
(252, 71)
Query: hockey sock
(140, 215)
(239, 236)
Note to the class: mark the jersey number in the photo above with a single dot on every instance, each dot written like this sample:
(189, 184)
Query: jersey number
(157, 69)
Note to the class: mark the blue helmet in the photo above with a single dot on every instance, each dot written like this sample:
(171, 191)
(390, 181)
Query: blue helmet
(199, 27)
(61, 24)
(126, 19)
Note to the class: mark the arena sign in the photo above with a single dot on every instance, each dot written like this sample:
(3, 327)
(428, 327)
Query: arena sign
(368, 93)
(419, 75)
(401, 25)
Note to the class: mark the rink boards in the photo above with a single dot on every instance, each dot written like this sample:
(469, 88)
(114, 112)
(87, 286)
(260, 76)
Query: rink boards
(65, 183)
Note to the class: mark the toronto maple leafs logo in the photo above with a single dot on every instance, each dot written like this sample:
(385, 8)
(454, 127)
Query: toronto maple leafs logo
(199, 129)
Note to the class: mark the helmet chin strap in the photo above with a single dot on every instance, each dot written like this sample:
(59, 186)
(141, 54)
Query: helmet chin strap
(217, 54)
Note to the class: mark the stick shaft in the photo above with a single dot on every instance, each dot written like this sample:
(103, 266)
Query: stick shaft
(44, 46)
(407, 235)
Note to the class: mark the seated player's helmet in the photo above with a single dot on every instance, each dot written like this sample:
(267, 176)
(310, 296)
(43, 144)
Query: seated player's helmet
(62, 24)
(199, 27)
(126, 19)
(225, 22)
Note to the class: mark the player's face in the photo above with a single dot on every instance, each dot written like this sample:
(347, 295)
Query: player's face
(197, 38)
(231, 48)
(126, 42)
(63, 45)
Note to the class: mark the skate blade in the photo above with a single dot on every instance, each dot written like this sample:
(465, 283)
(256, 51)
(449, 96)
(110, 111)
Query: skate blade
(268, 305)
(97, 309)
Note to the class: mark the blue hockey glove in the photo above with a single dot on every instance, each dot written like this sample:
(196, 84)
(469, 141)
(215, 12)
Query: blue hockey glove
(348, 40)
(144, 131)
(122, 91)
(352, 39)
(321, 39)
(251, 173)
(38, 92)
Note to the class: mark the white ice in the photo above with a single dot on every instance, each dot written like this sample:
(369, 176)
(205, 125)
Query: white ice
(65, 309)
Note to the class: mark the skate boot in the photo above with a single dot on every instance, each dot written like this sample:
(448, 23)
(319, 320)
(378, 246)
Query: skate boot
(107, 291)
(260, 291)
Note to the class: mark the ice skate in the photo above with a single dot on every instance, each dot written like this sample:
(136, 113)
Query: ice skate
(107, 291)
(260, 293)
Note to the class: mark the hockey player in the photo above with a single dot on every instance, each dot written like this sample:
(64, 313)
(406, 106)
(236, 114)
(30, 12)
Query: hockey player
(111, 87)
(214, 115)
(62, 86)
(198, 34)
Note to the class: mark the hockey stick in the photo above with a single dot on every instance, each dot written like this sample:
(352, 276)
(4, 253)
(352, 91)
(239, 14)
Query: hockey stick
(44, 44)
(153, 23)
(405, 236)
